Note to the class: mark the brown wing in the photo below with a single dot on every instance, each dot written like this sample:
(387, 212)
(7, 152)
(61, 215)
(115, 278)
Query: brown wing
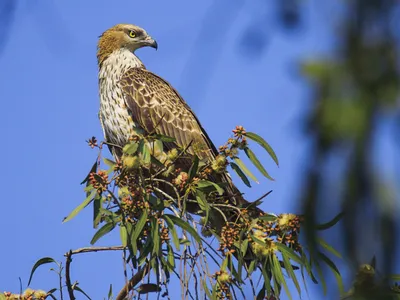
(157, 107)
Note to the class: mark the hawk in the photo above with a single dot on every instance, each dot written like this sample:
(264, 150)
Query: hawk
(133, 97)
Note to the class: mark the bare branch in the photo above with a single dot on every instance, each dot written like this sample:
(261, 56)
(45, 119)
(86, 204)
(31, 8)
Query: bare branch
(133, 282)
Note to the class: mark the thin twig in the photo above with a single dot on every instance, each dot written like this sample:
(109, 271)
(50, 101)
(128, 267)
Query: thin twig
(60, 277)
(95, 249)
(132, 282)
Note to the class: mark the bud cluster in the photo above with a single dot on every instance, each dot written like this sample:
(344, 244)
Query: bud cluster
(99, 180)
(223, 280)
(286, 229)
(28, 294)
(230, 148)
(230, 234)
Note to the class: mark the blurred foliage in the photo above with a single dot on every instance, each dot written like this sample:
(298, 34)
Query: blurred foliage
(354, 92)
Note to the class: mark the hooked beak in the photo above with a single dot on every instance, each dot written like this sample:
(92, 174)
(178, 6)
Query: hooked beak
(151, 42)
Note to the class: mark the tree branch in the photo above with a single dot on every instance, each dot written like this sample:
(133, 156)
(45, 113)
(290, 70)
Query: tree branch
(68, 261)
(132, 282)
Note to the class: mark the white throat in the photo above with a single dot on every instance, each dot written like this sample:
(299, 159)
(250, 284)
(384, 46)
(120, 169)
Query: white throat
(118, 63)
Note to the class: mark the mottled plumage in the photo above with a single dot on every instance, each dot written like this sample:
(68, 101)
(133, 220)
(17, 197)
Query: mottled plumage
(131, 96)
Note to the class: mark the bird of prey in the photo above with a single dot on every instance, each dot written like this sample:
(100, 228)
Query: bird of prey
(133, 97)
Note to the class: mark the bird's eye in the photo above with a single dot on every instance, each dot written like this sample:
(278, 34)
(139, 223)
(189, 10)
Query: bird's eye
(132, 34)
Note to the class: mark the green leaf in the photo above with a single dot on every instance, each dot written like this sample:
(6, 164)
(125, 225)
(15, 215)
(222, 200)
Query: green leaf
(138, 230)
(328, 247)
(109, 162)
(184, 242)
(238, 171)
(165, 138)
(124, 235)
(201, 200)
(334, 269)
(331, 222)
(155, 235)
(290, 272)
(268, 217)
(267, 281)
(97, 205)
(171, 228)
(2, 297)
(42, 261)
(242, 166)
(185, 226)
(194, 168)
(258, 139)
(277, 272)
(321, 276)
(204, 184)
(80, 206)
(145, 151)
(102, 232)
(253, 158)
(92, 170)
(286, 251)
(77, 288)
(205, 287)
(243, 246)
(110, 292)
(156, 162)
(171, 258)
(130, 148)
(224, 264)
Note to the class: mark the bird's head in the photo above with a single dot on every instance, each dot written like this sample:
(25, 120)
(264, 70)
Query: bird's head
(121, 36)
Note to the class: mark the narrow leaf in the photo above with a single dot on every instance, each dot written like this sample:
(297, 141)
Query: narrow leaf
(165, 138)
(290, 272)
(131, 148)
(240, 173)
(110, 292)
(42, 261)
(334, 269)
(185, 226)
(243, 167)
(203, 184)
(171, 228)
(138, 230)
(194, 168)
(277, 271)
(77, 288)
(80, 207)
(264, 144)
(124, 235)
(331, 222)
(102, 232)
(145, 151)
(92, 170)
(155, 234)
(328, 247)
(253, 158)
(109, 162)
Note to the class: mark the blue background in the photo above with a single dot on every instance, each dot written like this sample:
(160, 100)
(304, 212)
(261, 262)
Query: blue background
(230, 61)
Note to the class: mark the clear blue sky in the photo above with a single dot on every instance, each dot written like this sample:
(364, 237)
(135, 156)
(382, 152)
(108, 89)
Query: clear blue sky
(50, 101)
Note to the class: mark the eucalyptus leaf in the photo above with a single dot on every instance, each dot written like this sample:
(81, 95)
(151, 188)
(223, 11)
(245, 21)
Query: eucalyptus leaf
(102, 232)
(42, 261)
(185, 226)
(253, 158)
(258, 139)
(243, 167)
(80, 206)
(240, 173)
